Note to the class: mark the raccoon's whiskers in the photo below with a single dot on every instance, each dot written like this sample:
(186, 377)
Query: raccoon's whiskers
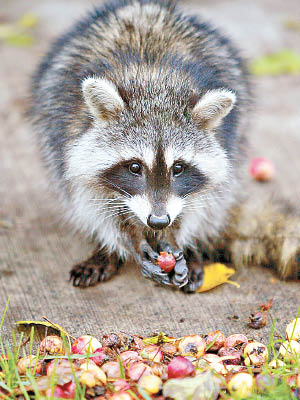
(101, 209)
(116, 186)
(115, 214)
(112, 200)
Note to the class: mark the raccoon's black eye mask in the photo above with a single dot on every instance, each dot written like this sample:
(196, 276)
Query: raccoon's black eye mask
(189, 180)
(127, 178)
(132, 178)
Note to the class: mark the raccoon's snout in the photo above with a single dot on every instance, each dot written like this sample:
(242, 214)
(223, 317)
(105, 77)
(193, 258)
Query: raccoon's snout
(158, 222)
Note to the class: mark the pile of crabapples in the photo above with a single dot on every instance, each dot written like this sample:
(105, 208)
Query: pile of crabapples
(128, 367)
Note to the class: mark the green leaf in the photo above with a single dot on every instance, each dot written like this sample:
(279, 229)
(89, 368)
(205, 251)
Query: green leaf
(122, 369)
(283, 62)
(133, 394)
(4, 313)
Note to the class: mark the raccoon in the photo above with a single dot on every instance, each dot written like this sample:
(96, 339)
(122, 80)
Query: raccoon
(141, 114)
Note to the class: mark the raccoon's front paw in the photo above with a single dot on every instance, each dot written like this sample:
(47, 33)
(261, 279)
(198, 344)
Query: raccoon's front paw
(196, 274)
(151, 270)
(98, 268)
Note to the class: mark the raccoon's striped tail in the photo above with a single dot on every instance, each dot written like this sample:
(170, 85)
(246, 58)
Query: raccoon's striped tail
(266, 234)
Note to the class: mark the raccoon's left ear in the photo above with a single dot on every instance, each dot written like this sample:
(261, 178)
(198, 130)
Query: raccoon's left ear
(102, 98)
(212, 107)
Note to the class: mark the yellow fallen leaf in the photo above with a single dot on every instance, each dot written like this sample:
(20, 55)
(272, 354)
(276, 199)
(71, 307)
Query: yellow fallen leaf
(215, 275)
(40, 328)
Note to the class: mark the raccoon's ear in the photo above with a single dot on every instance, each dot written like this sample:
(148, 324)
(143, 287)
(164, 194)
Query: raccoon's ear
(212, 107)
(102, 98)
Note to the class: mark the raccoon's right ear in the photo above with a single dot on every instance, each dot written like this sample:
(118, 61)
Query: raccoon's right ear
(212, 107)
(102, 98)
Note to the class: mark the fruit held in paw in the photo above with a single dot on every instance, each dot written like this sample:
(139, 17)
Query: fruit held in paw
(261, 169)
(166, 261)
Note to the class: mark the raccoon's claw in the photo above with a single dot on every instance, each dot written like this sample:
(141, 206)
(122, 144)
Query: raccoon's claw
(83, 275)
(150, 269)
(89, 273)
(180, 277)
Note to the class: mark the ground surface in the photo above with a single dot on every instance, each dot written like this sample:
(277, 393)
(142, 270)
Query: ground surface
(36, 251)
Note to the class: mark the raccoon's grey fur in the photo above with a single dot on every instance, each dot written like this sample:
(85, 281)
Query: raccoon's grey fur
(141, 115)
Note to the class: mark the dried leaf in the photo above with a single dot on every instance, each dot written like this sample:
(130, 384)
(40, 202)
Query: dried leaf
(41, 329)
(283, 62)
(215, 275)
(160, 338)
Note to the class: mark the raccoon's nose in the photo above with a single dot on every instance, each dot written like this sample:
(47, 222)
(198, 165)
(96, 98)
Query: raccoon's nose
(158, 222)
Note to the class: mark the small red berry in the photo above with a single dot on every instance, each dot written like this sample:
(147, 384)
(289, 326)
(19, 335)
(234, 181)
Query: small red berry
(166, 261)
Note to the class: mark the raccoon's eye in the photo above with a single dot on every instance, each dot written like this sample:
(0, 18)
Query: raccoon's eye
(135, 168)
(177, 169)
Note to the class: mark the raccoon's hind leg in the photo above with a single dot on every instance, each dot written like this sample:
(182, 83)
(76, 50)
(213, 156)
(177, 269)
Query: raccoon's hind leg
(98, 268)
(266, 234)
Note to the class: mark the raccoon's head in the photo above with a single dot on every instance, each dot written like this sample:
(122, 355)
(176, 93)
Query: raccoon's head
(154, 157)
